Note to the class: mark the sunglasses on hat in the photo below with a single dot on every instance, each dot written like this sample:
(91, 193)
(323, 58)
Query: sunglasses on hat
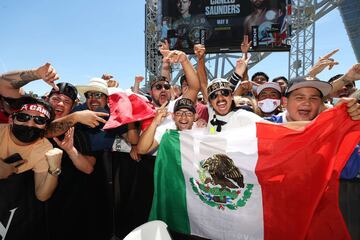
(96, 95)
(223, 92)
(24, 117)
(160, 86)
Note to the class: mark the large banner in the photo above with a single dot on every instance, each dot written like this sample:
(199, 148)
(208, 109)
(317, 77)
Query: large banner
(221, 24)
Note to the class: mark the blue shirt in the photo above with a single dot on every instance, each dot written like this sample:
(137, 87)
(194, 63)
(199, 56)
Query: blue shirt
(99, 139)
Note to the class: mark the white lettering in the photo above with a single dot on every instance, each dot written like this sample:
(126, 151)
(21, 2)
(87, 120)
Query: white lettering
(3, 230)
(222, 10)
(218, 2)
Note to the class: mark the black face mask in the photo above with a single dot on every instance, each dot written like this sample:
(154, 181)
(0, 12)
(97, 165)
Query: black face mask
(27, 134)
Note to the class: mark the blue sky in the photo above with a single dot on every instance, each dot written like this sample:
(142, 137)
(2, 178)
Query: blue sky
(84, 39)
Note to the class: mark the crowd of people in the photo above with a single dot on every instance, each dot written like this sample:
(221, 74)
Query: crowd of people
(90, 183)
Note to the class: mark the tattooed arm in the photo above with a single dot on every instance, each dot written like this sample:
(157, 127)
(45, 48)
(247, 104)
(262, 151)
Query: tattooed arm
(86, 117)
(353, 74)
(11, 82)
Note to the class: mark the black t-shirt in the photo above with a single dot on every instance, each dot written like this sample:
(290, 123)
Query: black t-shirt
(69, 205)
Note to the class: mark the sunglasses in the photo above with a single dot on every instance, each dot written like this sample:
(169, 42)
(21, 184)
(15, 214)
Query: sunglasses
(96, 95)
(184, 113)
(161, 86)
(223, 92)
(24, 117)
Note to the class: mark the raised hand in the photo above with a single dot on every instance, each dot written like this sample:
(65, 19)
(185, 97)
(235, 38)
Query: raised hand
(112, 83)
(199, 51)
(354, 73)
(161, 114)
(139, 78)
(107, 76)
(322, 63)
(67, 143)
(53, 156)
(48, 74)
(176, 56)
(241, 65)
(353, 107)
(90, 118)
(247, 86)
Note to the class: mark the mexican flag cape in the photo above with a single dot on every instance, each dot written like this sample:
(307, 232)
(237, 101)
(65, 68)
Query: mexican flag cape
(259, 181)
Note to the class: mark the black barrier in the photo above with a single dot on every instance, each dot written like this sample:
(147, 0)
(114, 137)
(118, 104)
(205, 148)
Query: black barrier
(221, 24)
(349, 199)
(21, 214)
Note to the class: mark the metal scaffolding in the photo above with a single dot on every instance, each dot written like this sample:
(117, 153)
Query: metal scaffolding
(304, 15)
(152, 58)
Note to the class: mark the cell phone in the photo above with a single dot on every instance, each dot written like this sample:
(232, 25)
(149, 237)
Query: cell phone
(13, 158)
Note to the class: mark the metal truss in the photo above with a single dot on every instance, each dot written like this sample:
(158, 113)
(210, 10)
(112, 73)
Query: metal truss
(304, 15)
(220, 64)
(152, 58)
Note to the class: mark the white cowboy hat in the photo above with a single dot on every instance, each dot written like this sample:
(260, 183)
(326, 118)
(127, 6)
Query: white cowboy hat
(95, 84)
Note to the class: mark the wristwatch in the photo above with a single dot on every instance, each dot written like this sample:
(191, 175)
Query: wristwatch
(55, 172)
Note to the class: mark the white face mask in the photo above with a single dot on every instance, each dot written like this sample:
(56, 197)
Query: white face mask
(268, 105)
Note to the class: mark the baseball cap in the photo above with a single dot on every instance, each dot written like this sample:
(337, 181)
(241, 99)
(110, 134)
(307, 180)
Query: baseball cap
(158, 79)
(273, 85)
(184, 103)
(218, 84)
(307, 81)
(67, 89)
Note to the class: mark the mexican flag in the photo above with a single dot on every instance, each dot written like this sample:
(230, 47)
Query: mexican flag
(258, 181)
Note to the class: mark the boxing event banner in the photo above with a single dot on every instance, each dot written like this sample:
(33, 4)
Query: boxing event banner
(221, 24)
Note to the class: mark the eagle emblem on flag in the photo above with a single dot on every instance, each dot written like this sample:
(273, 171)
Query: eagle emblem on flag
(221, 183)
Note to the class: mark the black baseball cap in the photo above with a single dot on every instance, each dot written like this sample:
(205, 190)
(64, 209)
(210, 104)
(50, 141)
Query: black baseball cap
(307, 81)
(67, 89)
(184, 103)
(158, 79)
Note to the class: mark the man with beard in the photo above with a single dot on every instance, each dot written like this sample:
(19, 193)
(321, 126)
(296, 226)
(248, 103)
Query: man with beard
(105, 175)
(223, 114)
(160, 91)
(24, 135)
(96, 94)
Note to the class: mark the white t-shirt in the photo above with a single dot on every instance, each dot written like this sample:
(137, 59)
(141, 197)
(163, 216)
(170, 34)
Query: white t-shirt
(233, 119)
